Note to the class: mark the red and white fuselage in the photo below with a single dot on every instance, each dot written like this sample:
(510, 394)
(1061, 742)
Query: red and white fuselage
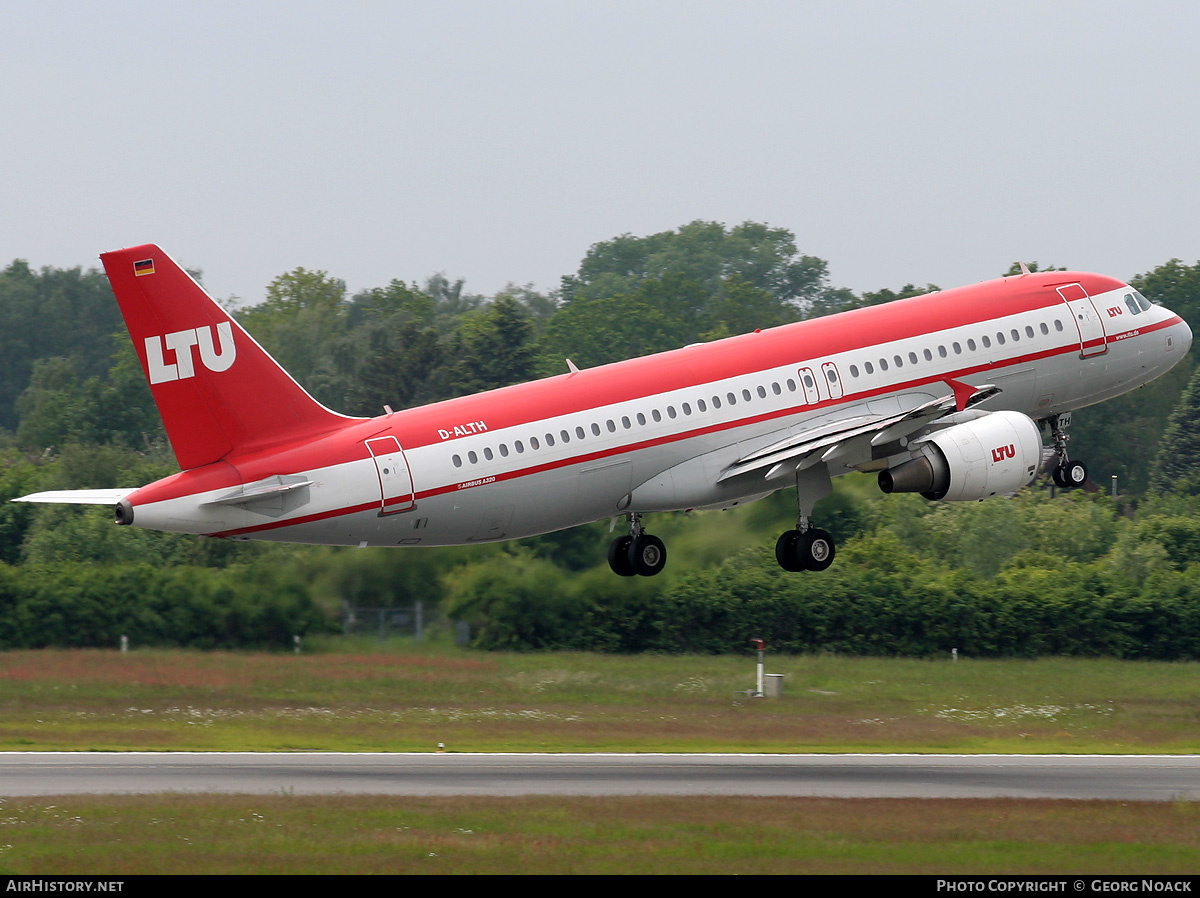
(709, 425)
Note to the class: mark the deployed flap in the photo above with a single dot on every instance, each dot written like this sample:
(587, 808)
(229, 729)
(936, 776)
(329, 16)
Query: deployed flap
(825, 443)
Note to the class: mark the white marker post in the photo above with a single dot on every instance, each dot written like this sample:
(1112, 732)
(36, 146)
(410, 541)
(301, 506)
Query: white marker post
(758, 693)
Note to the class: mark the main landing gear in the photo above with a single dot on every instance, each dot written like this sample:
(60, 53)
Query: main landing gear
(807, 548)
(639, 553)
(1068, 474)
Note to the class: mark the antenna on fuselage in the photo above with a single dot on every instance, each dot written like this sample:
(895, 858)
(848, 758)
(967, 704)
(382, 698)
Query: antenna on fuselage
(1024, 269)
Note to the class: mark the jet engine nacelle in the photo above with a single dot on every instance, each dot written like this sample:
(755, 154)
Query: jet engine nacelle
(998, 453)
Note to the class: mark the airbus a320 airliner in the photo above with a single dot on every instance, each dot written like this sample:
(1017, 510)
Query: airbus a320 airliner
(943, 395)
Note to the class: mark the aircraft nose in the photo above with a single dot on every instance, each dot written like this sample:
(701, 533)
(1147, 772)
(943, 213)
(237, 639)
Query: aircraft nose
(1181, 335)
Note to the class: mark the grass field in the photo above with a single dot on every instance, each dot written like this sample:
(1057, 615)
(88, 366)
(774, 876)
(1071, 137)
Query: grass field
(405, 698)
(129, 835)
(410, 700)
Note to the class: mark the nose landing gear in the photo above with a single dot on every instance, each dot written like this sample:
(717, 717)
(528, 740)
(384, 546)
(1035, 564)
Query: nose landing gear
(1069, 474)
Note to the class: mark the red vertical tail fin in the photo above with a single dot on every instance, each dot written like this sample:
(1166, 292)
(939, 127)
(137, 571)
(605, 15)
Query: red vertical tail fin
(217, 390)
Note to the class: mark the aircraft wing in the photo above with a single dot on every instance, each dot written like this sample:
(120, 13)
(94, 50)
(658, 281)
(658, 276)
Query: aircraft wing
(79, 497)
(843, 438)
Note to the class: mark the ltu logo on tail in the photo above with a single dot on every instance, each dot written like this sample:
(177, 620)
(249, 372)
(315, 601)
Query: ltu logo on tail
(1002, 452)
(181, 343)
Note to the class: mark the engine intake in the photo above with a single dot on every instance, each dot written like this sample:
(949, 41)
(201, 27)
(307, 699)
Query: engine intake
(998, 453)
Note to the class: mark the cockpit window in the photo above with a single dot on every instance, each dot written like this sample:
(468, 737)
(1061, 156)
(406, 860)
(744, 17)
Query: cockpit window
(1141, 300)
(1132, 303)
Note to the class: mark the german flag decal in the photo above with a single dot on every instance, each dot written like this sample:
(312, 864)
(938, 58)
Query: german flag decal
(146, 266)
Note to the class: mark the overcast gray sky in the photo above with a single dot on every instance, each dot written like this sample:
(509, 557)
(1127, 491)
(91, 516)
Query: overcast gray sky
(496, 141)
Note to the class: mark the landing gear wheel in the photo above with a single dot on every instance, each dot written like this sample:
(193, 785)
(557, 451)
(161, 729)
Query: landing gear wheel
(1071, 474)
(812, 550)
(646, 555)
(618, 556)
(815, 550)
(785, 552)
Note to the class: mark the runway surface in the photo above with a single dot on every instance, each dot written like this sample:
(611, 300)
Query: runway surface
(1152, 778)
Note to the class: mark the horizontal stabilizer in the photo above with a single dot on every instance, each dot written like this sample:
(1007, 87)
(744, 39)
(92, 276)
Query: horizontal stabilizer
(79, 497)
(273, 497)
(258, 491)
